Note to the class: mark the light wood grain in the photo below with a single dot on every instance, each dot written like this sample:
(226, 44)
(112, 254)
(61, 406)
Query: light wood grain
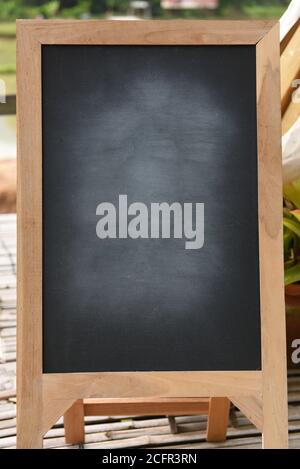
(74, 417)
(74, 423)
(144, 406)
(152, 384)
(217, 422)
(29, 246)
(53, 410)
(275, 434)
(159, 32)
(60, 390)
(252, 408)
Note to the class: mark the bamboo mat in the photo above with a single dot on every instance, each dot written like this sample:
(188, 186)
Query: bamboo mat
(111, 432)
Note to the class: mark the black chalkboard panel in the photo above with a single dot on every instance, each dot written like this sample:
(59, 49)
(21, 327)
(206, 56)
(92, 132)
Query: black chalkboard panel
(158, 124)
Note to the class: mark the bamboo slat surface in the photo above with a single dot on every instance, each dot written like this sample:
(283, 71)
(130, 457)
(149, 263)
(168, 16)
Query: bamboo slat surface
(111, 432)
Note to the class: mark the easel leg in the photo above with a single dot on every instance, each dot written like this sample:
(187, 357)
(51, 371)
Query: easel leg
(27, 439)
(74, 423)
(29, 418)
(29, 401)
(217, 421)
(275, 415)
(272, 307)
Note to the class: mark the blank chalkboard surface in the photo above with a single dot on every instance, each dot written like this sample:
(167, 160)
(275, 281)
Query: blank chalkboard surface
(159, 124)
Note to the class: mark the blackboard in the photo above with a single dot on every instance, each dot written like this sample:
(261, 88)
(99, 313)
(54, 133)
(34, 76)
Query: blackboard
(160, 124)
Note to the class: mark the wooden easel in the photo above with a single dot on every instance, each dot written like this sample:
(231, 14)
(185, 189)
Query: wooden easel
(43, 398)
(216, 408)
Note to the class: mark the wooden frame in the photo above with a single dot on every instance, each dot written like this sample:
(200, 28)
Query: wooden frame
(43, 398)
(217, 409)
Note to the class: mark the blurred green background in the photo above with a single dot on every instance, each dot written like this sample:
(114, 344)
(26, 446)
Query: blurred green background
(10, 10)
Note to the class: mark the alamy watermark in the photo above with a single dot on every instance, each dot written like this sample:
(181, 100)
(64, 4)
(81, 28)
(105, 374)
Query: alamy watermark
(158, 220)
(296, 353)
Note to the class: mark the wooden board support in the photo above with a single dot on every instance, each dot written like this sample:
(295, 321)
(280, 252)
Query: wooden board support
(53, 410)
(217, 410)
(43, 398)
(74, 423)
(274, 395)
(142, 406)
(217, 421)
(29, 298)
(251, 408)
(153, 384)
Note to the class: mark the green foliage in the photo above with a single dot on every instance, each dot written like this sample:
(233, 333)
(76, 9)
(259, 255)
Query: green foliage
(7, 30)
(156, 8)
(31, 3)
(291, 192)
(7, 55)
(252, 8)
(9, 9)
(68, 4)
(12, 9)
(260, 11)
(291, 233)
(292, 225)
(49, 9)
(77, 11)
(292, 274)
(99, 7)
